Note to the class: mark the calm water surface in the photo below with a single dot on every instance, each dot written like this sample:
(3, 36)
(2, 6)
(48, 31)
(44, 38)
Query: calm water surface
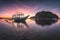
(34, 31)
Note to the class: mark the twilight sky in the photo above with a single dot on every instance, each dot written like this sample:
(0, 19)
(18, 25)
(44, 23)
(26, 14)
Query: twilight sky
(28, 7)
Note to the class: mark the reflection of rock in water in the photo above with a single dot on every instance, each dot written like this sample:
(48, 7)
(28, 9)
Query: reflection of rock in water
(45, 22)
(45, 18)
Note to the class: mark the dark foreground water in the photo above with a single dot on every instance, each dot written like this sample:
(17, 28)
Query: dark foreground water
(45, 30)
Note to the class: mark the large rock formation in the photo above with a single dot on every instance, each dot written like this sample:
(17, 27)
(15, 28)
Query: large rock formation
(45, 18)
(45, 15)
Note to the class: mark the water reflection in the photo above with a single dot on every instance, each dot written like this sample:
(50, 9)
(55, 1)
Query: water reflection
(45, 22)
(34, 32)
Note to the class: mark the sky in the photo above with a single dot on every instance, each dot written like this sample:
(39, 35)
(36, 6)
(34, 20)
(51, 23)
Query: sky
(28, 7)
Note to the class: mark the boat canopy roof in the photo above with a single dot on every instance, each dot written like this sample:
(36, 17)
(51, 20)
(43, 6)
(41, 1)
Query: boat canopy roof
(19, 15)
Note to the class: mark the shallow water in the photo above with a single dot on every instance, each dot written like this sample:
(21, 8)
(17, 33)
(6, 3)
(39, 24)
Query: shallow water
(34, 31)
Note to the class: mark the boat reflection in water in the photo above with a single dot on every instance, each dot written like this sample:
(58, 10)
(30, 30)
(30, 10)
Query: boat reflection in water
(45, 22)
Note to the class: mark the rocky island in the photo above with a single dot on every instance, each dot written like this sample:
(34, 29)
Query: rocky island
(45, 18)
(45, 15)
